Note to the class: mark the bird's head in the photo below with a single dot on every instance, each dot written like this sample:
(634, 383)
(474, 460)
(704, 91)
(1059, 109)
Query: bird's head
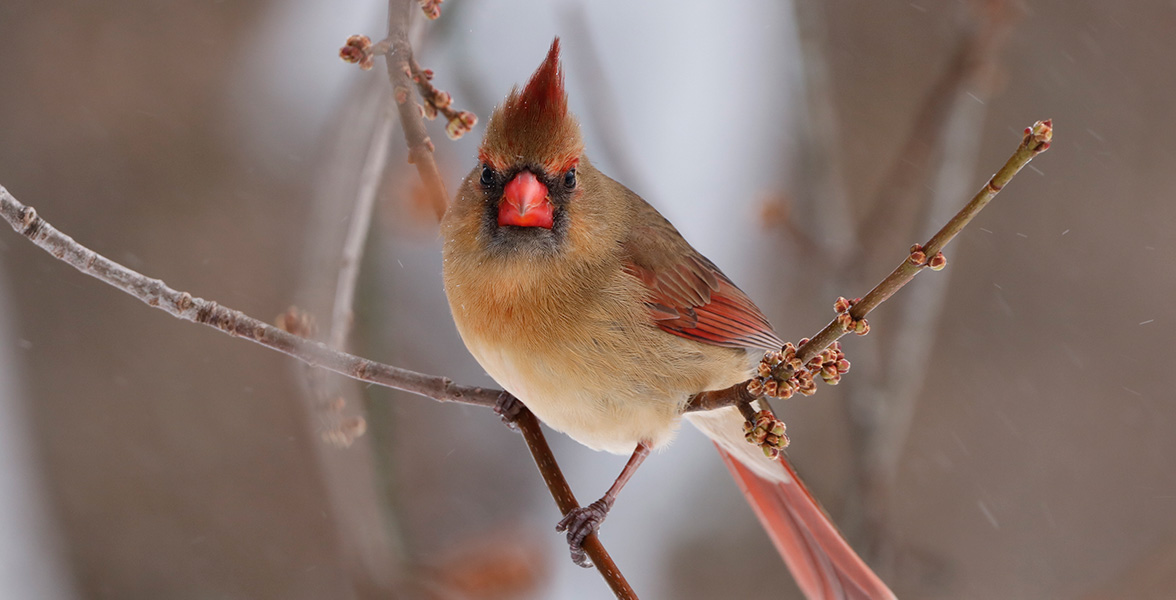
(527, 173)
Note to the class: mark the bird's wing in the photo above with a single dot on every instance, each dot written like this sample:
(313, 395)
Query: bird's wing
(688, 295)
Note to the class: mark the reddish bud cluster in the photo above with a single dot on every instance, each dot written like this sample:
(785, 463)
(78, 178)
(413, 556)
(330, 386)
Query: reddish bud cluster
(846, 320)
(937, 262)
(1039, 136)
(918, 257)
(830, 364)
(767, 432)
(800, 378)
(431, 8)
(358, 50)
(458, 122)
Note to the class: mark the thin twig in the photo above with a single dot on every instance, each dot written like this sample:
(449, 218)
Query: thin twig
(1035, 141)
(566, 500)
(892, 210)
(366, 528)
(342, 315)
(940, 142)
(182, 305)
(420, 147)
(821, 157)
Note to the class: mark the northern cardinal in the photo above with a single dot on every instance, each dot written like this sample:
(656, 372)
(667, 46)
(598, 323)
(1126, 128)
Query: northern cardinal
(587, 305)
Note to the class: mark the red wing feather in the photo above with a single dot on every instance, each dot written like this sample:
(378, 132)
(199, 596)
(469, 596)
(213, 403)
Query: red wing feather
(694, 300)
(688, 295)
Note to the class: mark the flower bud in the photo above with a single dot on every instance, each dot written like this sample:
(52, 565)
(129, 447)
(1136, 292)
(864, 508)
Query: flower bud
(755, 387)
(938, 262)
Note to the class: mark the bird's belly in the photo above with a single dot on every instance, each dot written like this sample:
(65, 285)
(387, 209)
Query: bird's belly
(602, 411)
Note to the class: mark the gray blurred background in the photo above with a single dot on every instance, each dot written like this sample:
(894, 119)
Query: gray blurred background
(1007, 431)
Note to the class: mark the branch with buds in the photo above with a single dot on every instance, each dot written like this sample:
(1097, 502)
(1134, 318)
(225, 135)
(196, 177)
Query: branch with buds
(851, 317)
(405, 74)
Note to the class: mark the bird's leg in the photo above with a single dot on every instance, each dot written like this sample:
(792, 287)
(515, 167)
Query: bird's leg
(509, 408)
(583, 521)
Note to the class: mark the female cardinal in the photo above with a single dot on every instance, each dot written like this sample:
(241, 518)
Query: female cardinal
(589, 307)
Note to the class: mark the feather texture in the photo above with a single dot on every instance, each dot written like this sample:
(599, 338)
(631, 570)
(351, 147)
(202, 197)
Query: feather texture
(533, 127)
(822, 562)
(688, 295)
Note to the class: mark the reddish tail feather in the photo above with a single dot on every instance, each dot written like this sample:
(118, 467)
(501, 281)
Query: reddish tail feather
(822, 562)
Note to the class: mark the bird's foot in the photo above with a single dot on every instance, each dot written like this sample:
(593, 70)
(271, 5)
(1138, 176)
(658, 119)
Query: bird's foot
(509, 408)
(580, 523)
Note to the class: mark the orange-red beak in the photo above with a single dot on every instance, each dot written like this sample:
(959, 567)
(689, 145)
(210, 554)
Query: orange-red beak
(525, 203)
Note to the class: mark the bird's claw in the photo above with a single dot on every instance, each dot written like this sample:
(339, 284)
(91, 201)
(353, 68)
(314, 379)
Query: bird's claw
(580, 523)
(509, 408)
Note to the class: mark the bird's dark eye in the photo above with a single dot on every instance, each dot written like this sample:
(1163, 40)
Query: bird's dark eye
(570, 179)
(487, 176)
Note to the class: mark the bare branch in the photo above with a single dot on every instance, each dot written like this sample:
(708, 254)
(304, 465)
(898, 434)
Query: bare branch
(156, 293)
(1035, 141)
(420, 147)
(892, 210)
(566, 500)
(342, 315)
(821, 160)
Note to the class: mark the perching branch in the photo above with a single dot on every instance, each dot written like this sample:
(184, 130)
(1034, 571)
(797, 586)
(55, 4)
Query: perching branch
(1035, 141)
(882, 404)
(894, 206)
(183, 305)
(564, 498)
(154, 292)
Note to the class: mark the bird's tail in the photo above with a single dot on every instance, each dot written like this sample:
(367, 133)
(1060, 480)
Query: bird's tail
(822, 562)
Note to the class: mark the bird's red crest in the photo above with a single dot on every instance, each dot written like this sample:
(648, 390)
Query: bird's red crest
(534, 125)
(544, 97)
